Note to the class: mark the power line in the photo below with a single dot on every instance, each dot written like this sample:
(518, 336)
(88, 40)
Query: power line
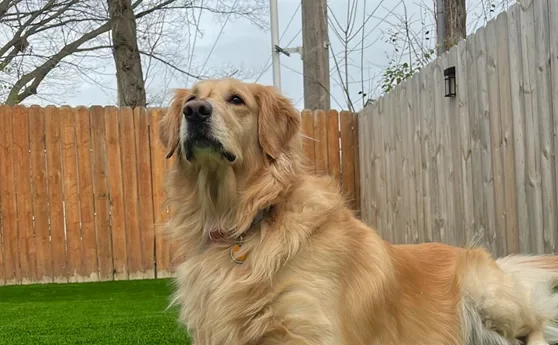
(218, 37)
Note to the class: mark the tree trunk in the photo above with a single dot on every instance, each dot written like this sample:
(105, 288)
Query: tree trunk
(455, 23)
(129, 75)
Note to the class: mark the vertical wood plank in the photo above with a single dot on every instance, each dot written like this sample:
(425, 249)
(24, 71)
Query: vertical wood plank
(308, 139)
(399, 219)
(411, 170)
(427, 110)
(100, 186)
(162, 245)
(86, 195)
(516, 70)
(320, 145)
(438, 182)
(406, 207)
(347, 158)
(496, 140)
(532, 144)
(479, 229)
(389, 147)
(553, 39)
(40, 193)
(142, 120)
(55, 194)
(449, 110)
(365, 209)
(379, 156)
(130, 184)
(8, 209)
(117, 208)
(370, 158)
(504, 82)
(74, 266)
(357, 168)
(465, 221)
(488, 212)
(542, 68)
(333, 159)
(22, 172)
(416, 142)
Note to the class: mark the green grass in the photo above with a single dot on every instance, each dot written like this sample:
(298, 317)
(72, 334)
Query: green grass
(122, 313)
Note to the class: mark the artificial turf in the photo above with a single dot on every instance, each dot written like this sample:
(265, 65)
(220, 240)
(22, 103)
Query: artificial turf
(122, 313)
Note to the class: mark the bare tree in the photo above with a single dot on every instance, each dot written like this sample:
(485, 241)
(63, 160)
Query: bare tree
(129, 75)
(408, 39)
(44, 42)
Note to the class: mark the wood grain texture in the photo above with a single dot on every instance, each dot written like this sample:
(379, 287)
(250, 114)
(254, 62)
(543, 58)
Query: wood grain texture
(22, 174)
(86, 195)
(158, 168)
(506, 118)
(496, 140)
(117, 207)
(320, 145)
(130, 184)
(55, 194)
(40, 193)
(74, 264)
(308, 139)
(543, 100)
(553, 51)
(333, 153)
(100, 186)
(8, 199)
(347, 158)
(145, 192)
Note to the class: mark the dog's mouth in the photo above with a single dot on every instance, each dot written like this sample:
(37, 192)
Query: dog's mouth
(203, 145)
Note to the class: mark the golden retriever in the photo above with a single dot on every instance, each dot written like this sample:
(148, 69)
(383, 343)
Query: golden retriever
(270, 254)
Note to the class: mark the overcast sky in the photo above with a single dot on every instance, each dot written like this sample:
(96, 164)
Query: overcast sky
(244, 44)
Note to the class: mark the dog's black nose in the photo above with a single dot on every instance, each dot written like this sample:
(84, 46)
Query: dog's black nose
(198, 111)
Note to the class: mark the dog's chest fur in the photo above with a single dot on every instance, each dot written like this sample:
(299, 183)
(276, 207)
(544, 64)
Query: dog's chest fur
(224, 303)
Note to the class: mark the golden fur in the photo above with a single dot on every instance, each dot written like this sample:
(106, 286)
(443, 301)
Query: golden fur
(314, 273)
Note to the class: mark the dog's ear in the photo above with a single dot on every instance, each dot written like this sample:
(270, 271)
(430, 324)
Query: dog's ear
(169, 125)
(278, 120)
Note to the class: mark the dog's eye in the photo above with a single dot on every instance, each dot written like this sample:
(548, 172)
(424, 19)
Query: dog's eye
(191, 98)
(236, 100)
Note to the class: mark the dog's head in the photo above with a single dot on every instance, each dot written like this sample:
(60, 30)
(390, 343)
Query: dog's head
(228, 122)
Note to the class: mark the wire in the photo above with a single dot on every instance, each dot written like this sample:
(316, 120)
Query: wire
(217, 39)
(267, 65)
(316, 81)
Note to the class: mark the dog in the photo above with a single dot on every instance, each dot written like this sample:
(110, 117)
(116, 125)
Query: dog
(270, 254)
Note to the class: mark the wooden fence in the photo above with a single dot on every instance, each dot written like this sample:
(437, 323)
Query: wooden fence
(81, 190)
(481, 165)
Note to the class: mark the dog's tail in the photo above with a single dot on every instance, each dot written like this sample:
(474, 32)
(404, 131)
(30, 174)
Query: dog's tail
(539, 274)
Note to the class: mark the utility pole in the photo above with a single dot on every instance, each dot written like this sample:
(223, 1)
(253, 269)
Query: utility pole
(451, 23)
(273, 11)
(315, 48)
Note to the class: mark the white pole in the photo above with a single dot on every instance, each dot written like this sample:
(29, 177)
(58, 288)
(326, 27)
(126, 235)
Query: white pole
(275, 42)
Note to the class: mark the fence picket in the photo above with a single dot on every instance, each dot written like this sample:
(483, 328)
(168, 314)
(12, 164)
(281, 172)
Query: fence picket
(145, 201)
(116, 197)
(8, 209)
(22, 173)
(55, 194)
(74, 263)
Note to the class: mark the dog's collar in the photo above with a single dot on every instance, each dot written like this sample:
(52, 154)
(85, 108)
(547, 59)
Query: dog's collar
(217, 236)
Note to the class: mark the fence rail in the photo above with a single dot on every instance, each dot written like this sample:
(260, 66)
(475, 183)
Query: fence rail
(81, 190)
(481, 165)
